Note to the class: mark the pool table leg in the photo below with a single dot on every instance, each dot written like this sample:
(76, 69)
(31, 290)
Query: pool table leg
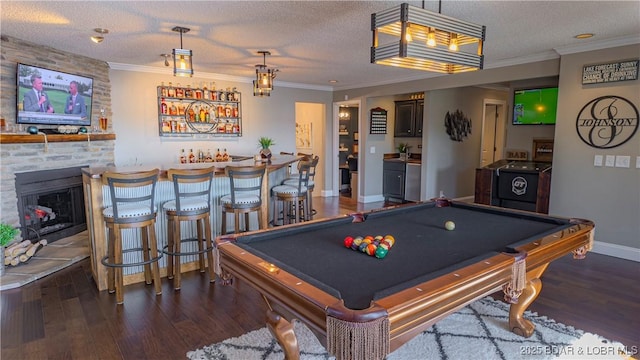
(282, 330)
(517, 323)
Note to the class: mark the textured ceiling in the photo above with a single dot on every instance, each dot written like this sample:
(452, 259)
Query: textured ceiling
(311, 42)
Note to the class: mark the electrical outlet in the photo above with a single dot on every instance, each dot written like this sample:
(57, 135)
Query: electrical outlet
(597, 160)
(623, 161)
(610, 161)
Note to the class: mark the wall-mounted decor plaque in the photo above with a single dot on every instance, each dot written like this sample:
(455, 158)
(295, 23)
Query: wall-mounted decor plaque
(610, 72)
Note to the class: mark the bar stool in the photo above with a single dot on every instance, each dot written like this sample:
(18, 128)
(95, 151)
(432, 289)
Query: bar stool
(132, 207)
(311, 184)
(245, 196)
(192, 189)
(294, 197)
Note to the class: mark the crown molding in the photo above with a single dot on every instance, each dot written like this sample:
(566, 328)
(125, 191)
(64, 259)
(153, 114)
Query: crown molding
(213, 76)
(599, 45)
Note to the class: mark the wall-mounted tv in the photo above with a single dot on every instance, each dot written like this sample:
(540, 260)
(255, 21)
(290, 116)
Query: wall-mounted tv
(535, 106)
(50, 97)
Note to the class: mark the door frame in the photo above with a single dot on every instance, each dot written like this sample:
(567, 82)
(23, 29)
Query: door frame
(500, 104)
(336, 143)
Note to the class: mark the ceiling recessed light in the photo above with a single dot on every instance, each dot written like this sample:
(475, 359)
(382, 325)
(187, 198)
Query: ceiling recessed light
(584, 36)
(333, 81)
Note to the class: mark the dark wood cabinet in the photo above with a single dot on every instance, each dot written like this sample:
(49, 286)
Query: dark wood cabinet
(408, 121)
(393, 180)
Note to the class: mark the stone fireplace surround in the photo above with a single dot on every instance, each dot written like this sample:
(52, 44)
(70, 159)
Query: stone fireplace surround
(17, 156)
(27, 157)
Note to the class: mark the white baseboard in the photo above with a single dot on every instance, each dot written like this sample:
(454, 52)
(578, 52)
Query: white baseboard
(619, 251)
(370, 198)
(328, 193)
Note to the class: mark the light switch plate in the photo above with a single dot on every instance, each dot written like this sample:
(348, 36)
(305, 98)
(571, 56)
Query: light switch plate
(610, 161)
(637, 162)
(372, 150)
(597, 160)
(623, 161)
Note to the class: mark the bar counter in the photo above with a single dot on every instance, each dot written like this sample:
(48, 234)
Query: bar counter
(96, 197)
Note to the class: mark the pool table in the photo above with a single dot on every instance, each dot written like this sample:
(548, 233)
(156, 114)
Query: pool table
(363, 307)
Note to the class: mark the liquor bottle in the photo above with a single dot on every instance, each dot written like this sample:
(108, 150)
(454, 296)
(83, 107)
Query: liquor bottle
(179, 91)
(234, 111)
(228, 127)
(225, 155)
(163, 106)
(218, 155)
(236, 128)
(207, 117)
(171, 91)
(166, 125)
(205, 92)
(200, 156)
(203, 115)
(181, 108)
(163, 90)
(192, 156)
(188, 93)
(183, 157)
(208, 157)
(182, 126)
(214, 92)
(192, 115)
(173, 109)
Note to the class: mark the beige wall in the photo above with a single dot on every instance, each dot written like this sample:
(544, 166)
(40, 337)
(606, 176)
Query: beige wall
(135, 118)
(609, 196)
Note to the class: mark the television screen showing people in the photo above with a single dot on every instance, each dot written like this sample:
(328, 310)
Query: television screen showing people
(52, 97)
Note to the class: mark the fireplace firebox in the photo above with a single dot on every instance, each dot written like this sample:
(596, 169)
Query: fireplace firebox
(51, 203)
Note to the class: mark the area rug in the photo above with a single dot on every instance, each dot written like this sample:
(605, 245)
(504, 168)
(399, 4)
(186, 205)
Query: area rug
(478, 331)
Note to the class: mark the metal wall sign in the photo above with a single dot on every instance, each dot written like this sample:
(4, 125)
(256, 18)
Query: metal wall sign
(610, 72)
(607, 122)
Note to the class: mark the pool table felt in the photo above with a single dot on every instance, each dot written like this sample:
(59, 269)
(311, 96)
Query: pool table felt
(423, 250)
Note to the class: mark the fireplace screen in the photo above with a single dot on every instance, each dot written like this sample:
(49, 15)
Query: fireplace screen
(51, 204)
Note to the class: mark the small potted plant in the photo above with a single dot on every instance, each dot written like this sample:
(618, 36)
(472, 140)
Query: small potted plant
(403, 149)
(265, 144)
(7, 234)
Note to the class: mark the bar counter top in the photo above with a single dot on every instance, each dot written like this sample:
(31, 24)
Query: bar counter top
(276, 162)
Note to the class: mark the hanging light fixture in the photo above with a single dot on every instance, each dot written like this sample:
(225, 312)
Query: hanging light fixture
(100, 37)
(344, 114)
(436, 40)
(182, 58)
(260, 92)
(263, 84)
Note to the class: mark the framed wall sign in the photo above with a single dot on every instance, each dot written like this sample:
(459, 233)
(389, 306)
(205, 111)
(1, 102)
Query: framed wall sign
(378, 121)
(610, 72)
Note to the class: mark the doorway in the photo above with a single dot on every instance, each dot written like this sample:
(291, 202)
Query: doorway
(493, 131)
(346, 149)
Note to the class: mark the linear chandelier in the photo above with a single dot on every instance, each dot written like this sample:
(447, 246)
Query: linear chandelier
(424, 40)
(263, 84)
(182, 58)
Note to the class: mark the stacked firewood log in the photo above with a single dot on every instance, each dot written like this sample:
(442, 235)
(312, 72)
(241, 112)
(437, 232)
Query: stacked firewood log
(21, 252)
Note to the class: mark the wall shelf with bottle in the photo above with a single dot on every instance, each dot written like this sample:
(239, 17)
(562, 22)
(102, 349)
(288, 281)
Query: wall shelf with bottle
(192, 112)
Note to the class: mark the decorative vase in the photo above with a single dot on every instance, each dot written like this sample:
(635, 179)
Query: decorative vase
(403, 156)
(265, 153)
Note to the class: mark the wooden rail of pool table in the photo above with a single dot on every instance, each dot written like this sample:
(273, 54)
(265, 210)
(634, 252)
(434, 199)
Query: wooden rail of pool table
(410, 311)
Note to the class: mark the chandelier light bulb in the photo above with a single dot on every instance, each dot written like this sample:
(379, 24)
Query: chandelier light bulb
(431, 38)
(453, 43)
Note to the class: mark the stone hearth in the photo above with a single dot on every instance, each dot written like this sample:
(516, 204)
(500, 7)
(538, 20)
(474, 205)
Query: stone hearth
(51, 258)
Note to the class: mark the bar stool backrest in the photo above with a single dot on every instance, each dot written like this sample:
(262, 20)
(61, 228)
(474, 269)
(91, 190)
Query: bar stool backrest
(246, 180)
(132, 195)
(189, 186)
(312, 167)
(304, 170)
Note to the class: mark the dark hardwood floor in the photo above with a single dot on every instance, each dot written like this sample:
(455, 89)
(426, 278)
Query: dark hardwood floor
(63, 316)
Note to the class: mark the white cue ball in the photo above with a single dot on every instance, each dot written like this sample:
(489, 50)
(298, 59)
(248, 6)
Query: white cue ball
(449, 225)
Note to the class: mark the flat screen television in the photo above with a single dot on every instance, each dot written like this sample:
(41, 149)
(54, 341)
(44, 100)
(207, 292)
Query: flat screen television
(50, 97)
(535, 106)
